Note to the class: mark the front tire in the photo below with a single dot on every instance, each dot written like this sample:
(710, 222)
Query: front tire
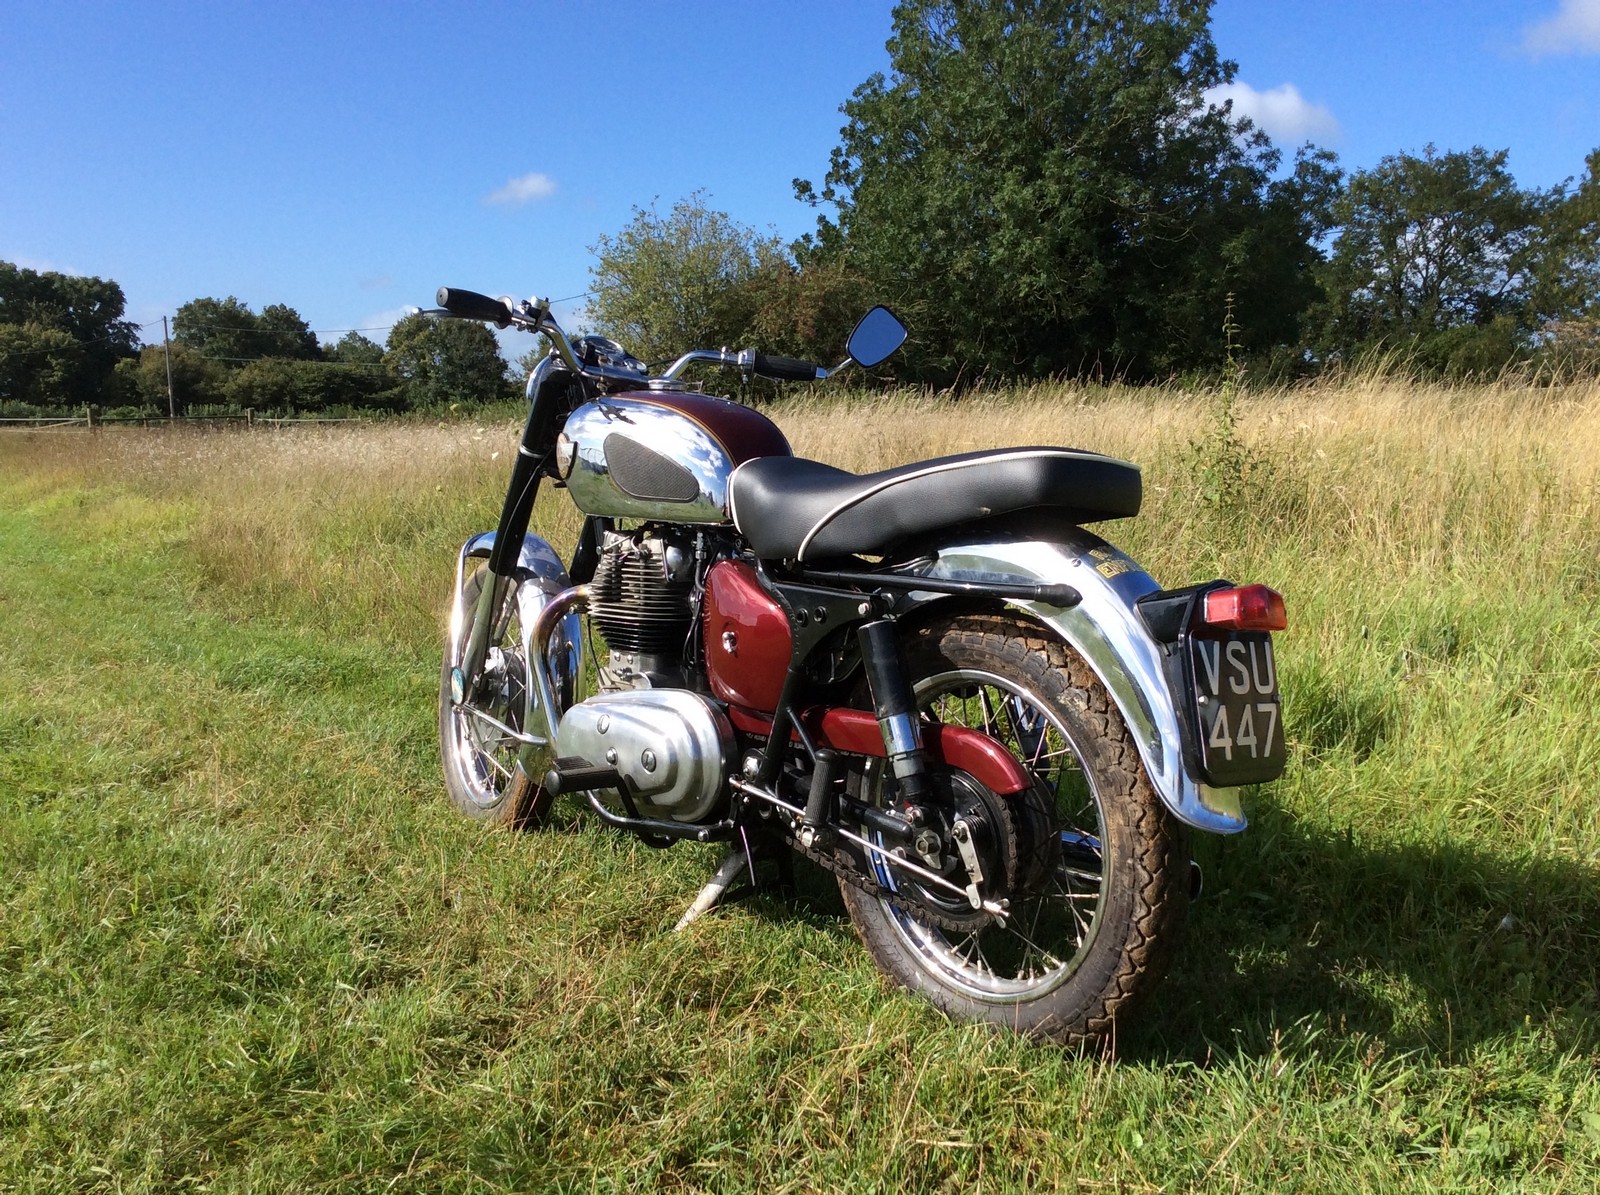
(1083, 945)
(481, 771)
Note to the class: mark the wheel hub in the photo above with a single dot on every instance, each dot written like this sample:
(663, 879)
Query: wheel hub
(984, 820)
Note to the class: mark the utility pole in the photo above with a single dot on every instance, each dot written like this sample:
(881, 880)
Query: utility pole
(166, 355)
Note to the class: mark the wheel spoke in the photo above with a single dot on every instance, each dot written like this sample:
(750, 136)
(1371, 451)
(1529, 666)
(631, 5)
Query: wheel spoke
(988, 711)
(1036, 948)
(1050, 960)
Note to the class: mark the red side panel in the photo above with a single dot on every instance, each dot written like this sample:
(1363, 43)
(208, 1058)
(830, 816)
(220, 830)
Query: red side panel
(972, 751)
(856, 732)
(747, 638)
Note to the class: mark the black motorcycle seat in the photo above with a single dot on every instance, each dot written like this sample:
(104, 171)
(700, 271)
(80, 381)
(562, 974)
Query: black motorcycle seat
(790, 508)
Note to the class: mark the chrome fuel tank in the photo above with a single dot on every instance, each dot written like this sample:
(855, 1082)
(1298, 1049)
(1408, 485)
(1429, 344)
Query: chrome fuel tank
(661, 456)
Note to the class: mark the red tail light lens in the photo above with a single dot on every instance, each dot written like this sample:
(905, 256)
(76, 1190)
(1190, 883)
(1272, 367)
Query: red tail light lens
(1246, 608)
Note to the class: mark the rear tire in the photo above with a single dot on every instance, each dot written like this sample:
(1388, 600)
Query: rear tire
(1092, 934)
(481, 772)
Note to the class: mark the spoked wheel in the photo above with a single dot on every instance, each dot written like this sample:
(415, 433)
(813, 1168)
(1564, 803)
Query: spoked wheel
(1097, 876)
(479, 756)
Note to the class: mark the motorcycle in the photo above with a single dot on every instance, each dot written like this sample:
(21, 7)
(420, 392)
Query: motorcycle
(992, 726)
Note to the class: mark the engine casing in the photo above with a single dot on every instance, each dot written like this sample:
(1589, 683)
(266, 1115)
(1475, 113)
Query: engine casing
(673, 748)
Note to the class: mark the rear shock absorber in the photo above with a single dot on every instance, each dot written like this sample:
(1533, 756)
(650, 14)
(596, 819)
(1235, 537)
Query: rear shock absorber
(895, 705)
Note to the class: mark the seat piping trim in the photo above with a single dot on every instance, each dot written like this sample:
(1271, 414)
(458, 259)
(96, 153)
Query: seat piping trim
(949, 467)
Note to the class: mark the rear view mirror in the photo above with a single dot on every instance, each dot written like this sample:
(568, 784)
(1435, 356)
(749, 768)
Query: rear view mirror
(875, 338)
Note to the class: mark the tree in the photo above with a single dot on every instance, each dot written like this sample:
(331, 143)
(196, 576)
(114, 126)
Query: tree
(355, 349)
(280, 332)
(65, 334)
(1042, 187)
(285, 384)
(195, 381)
(443, 361)
(807, 310)
(667, 284)
(220, 330)
(1568, 273)
(227, 331)
(35, 364)
(1430, 245)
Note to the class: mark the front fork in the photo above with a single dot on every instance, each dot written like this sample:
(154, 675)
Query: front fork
(504, 550)
(550, 638)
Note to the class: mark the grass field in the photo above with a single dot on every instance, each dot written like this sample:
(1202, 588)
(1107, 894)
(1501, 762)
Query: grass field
(246, 945)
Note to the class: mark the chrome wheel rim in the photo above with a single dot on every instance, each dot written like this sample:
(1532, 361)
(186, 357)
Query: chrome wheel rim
(483, 748)
(1047, 934)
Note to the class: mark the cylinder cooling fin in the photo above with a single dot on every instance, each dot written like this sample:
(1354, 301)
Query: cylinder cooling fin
(642, 592)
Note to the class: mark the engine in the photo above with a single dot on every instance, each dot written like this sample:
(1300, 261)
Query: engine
(642, 602)
(651, 721)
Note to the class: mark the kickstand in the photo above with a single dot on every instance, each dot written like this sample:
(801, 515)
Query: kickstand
(735, 865)
(743, 860)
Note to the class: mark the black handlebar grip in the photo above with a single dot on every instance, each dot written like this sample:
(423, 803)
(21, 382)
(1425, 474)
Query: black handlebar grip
(469, 304)
(785, 369)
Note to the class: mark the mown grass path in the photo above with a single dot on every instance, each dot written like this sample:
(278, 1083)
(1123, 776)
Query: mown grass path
(245, 945)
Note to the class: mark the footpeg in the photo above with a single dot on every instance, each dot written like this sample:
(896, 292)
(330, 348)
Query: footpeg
(573, 775)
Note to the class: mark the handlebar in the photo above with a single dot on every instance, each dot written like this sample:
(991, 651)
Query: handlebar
(788, 369)
(533, 315)
(469, 304)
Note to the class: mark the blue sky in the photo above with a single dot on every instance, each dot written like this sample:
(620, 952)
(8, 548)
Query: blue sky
(349, 158)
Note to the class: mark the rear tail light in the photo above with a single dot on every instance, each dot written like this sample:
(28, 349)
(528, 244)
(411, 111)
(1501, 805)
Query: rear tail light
(1245, 608)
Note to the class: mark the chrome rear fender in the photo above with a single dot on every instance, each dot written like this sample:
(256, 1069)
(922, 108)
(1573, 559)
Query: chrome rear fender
(540, 576)
(1105, 629)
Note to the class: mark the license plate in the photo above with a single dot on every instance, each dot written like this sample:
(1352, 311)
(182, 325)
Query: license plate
(1239, 731)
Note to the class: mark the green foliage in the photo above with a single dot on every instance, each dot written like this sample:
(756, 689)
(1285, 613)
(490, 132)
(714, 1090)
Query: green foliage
(195, 380)
(355, 349)
(1429, 247)
(685, 280)
(61, 336)
(311, 387)
(219, 330)
(1045, 184)
(807, 311)
(440, 362)
(36, 363)
(227, 331)
(280, 332)
(1568, 273)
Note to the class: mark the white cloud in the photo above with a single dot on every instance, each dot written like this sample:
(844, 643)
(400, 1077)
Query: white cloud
(1574, 29)
(376, 326)
(523, 190)
(39, 265)
(1285, 115)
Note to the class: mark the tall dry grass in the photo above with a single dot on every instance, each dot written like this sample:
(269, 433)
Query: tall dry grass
(1370, 487)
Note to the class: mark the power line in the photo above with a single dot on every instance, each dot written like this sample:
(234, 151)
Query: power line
(301, 361)
(62, 348)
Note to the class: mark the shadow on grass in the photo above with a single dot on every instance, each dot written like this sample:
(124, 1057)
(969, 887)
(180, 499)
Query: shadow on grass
(1425, 948)
(1430, 948)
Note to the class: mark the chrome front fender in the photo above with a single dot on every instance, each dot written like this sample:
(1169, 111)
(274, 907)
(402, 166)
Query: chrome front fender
(1105, 629)
(540, 576)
